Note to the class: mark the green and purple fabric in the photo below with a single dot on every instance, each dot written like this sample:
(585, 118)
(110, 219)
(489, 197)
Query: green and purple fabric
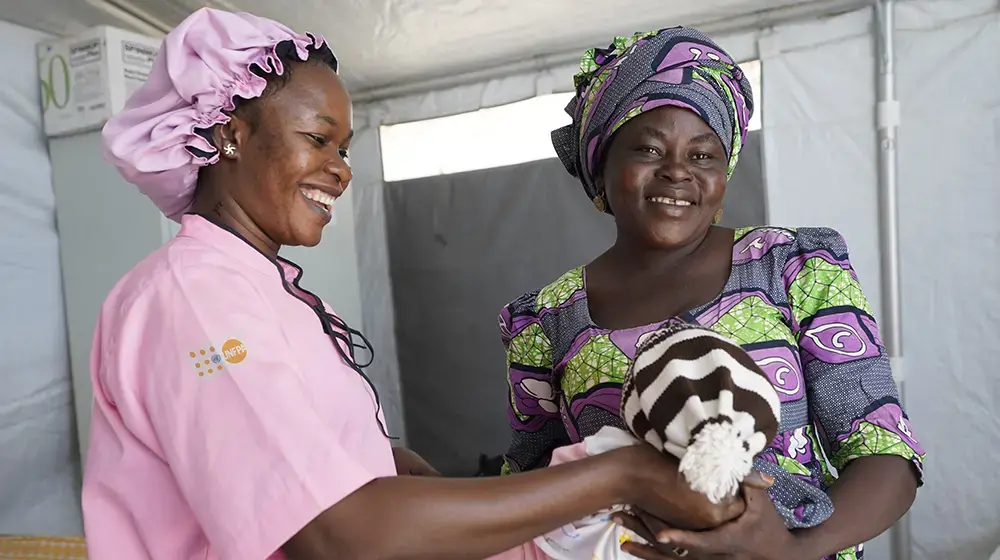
(792, 301)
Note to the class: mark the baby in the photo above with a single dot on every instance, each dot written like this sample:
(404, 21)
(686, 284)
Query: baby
(691, 393)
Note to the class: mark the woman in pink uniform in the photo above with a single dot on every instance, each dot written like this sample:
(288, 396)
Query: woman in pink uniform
(231, 418)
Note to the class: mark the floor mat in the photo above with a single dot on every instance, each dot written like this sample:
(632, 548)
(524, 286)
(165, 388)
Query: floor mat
(42, 548)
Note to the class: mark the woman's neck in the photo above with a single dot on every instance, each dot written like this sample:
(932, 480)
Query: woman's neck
(627, 254)
(216, 206)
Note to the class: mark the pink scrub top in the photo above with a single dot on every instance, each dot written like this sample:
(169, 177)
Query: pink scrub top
(224, 418)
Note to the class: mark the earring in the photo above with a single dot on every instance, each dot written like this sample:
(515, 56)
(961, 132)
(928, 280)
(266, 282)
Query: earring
(229, 149)
(718, 217)
(599, 203)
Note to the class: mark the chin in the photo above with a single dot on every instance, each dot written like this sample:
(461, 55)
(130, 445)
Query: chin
(306, 229)
(670, 236)
(310, 240)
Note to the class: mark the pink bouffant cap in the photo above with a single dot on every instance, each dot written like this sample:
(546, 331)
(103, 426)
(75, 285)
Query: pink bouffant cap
(159, 140)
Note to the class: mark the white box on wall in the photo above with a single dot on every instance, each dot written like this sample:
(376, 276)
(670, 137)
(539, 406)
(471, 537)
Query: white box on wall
(87, 78)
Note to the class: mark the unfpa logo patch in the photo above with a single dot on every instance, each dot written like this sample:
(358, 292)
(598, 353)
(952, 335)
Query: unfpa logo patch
(209, 361)
(233, 351)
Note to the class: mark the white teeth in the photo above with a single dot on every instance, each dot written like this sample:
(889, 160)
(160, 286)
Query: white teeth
(318, 196)
(671, 201)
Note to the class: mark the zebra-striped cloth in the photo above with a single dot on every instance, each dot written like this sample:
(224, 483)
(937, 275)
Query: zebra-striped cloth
(695, 394)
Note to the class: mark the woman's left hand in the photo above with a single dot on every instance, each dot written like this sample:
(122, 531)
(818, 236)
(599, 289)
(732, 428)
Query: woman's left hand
(411, 464)
(758, 534)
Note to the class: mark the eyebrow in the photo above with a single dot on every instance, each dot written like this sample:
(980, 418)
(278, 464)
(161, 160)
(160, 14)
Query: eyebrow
(660, 135)
(707, 137)
(333, 121)
(655, 133)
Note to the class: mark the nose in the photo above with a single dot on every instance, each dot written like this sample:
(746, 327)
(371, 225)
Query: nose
(674, 168)
(339, 168)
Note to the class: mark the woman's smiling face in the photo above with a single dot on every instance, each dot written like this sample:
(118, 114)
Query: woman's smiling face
(664, 177)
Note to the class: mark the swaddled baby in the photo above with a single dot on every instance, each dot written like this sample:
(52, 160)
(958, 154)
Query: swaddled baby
(691, 393)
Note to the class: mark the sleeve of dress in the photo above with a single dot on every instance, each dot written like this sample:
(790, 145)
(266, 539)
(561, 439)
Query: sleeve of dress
(853, 398)
(222, 399)
(533, 406)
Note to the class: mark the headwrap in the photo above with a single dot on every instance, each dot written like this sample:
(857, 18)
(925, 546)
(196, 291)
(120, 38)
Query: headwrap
(678, 67)
(161, 138)
(698, 396)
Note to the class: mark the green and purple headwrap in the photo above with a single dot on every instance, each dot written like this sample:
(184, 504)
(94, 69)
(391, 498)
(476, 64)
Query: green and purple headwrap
(678, 67)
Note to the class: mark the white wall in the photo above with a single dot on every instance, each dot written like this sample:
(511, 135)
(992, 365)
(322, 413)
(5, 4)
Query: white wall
(819, 97)
(39, 488)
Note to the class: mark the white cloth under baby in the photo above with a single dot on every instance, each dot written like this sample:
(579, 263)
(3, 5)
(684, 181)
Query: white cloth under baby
(594, 537)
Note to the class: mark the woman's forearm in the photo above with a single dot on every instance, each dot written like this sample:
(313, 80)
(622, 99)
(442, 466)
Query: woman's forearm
(869, 497)
(407, 517)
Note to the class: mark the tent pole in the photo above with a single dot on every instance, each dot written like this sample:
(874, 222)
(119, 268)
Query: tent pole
(888, 116)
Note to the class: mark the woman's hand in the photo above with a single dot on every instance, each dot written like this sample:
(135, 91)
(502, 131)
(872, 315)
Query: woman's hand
(758, 534)
(409, 463)
(647, 527)
(659, 488)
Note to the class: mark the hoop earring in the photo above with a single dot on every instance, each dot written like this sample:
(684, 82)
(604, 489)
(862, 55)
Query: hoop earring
(600, 204)
(718, 217)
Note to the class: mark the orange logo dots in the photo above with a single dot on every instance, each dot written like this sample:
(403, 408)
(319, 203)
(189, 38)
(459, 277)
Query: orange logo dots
(233, 351)
(199, 362)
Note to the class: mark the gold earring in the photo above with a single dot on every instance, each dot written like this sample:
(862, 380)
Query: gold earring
(718, 217)
(600, 204)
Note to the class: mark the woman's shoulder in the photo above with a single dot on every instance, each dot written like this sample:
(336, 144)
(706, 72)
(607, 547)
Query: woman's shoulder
(794, 240)
(525, 313)
(564, 289)
(182, 270)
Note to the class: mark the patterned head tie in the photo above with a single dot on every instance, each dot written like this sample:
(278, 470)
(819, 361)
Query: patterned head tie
(679, 67)
(699, 397)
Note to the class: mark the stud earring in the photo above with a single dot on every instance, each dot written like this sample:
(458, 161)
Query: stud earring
(229, 149)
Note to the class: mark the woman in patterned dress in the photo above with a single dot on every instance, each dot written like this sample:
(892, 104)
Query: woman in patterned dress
(658, 123)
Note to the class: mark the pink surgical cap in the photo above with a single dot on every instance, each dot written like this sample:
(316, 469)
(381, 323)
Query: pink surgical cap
(202, 65)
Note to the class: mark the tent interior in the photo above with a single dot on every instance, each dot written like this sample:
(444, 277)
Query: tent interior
(458, 206)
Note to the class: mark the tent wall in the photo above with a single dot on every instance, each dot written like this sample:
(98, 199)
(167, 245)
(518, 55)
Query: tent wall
(818, 82)
(949, 176)
(39, 488)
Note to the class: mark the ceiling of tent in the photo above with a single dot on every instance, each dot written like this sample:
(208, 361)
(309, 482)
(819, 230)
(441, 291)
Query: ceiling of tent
(383, 42)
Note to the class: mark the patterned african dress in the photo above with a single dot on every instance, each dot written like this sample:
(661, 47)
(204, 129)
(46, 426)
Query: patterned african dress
(792, 301)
